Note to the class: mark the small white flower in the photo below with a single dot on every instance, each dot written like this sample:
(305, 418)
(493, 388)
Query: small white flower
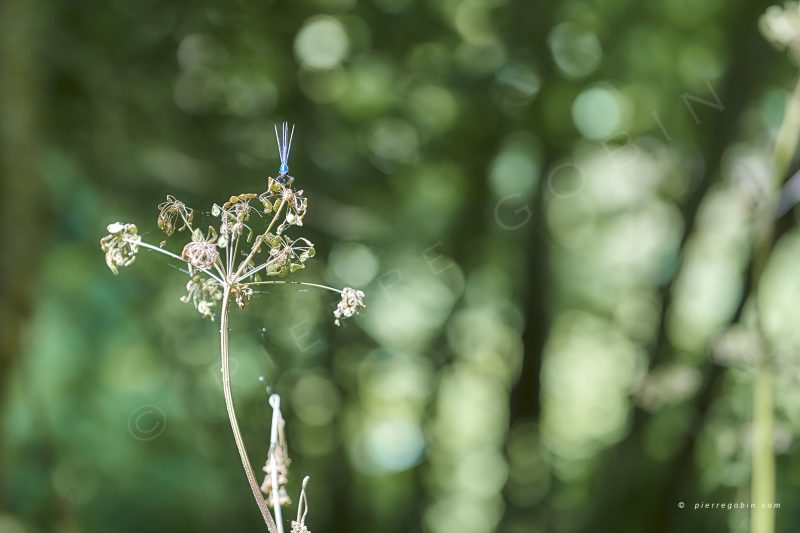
(352, 300)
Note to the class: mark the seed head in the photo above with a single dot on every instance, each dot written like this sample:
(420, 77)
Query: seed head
(201, 254)
(352, 300)
(203, 293)
(172, 214)
(120, 245)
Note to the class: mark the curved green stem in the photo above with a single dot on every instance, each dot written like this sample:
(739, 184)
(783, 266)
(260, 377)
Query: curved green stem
(237, 435)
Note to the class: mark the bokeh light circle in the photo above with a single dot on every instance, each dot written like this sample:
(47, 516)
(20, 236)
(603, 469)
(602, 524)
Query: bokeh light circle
(322, 43)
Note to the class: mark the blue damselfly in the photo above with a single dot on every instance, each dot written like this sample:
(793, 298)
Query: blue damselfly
(284, 145)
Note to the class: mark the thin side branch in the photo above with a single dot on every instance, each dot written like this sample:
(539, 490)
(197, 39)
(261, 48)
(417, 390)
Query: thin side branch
(175, 256)
(286, 282)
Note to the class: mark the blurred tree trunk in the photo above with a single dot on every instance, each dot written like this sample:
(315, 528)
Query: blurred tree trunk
(20, 188)
(525, 401)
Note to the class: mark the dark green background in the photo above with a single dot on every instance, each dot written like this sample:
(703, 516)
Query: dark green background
(547, 204)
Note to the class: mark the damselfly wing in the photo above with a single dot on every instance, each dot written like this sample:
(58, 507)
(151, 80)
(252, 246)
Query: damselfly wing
(284, 146)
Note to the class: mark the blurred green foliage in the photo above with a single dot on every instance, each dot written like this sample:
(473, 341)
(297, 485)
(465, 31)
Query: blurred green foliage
(547, 203)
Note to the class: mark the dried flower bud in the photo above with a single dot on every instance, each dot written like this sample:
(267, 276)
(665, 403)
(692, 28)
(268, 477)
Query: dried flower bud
(296, 207)
(201, 254)
(233, 215)
(120, 245)
(243, 295)
(204, 294)
(172, 213)
(241, 198)
(352, 300)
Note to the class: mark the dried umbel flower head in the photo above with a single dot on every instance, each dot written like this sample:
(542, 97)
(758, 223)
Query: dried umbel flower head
(233, 216)
(287, 255)
(201, 253)
(219, 260)
(352, 300)
(279, 195)
(173, 214)
(120, 245)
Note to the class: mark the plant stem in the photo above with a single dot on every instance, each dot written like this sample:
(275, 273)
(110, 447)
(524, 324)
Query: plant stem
(237, 436)
(275, 402)
(762, 491)
(763, 482)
